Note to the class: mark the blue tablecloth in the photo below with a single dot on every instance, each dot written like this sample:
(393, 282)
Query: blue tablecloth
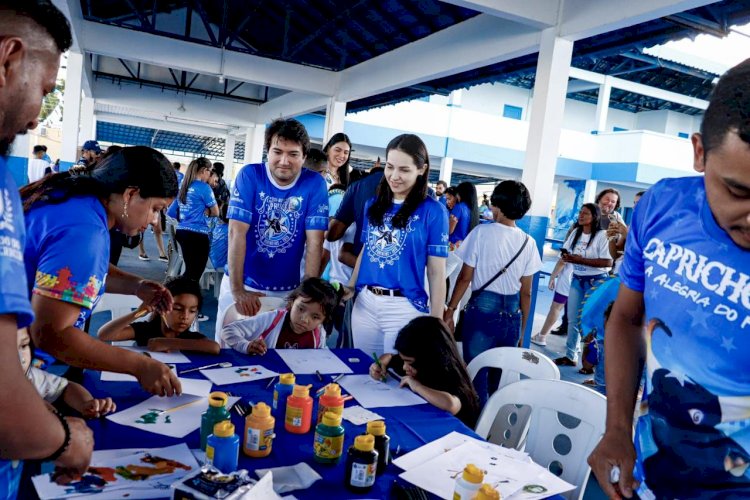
(408, 427)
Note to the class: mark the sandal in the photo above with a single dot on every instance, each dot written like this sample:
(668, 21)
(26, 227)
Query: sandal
(590, 382)
(586, 371)
(565, 361)
(539, 339)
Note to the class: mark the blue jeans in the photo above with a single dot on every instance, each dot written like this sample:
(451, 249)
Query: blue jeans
(579, 285)
(490, 320)
(599, 369)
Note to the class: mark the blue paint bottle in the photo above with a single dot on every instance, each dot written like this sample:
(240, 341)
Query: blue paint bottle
(223, 447)
(281, 391)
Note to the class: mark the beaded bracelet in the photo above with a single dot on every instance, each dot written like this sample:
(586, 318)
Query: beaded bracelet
(66, 441)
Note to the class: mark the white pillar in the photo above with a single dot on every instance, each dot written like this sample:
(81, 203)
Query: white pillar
(87, 128)
(72, 106)
(545, 124)
(254, 143)
(446, 169)
(229, 142)
(602, 105)
(335, 113)
(589, 192)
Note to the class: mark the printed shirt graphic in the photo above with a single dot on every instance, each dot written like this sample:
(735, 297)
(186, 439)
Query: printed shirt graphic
(461, 212)
(192, 216)
(67, 252)
(278, 218)
(694, 439)
(598, 249)
(14, 297)
(397, 258)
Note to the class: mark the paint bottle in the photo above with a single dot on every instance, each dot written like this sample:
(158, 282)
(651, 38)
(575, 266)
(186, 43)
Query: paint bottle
(223, 447)
(217, 412)
(329, 439)
(376, 429)
(361, 464)
(281, 391)
(299, 410)
(487, 492)
(331, 400)
(468, 483)
(259, 431)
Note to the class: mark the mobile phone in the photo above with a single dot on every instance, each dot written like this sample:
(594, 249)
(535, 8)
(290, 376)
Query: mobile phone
(612, 217)
(564, 251)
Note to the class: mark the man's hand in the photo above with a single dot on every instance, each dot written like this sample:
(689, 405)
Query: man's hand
(257, 346)
(156, 378)
(615, 449)
(154, 296)
(247, 303)
(77, 456)
(96, 408)
(448, 318)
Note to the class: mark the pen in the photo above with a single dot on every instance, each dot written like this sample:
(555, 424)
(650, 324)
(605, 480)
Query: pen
(320, 377)
(271, 382)
(377, 362)
(337, 378)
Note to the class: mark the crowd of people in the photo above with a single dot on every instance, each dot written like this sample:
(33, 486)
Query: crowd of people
(670, 291)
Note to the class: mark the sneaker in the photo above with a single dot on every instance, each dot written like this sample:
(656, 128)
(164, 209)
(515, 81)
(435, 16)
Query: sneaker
(163, 258)
(539, 339)
(143, 256)
(201, 318)
(560, 330)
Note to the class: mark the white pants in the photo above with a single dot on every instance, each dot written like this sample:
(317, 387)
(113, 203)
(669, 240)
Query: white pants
(377, 319)
(226, 301)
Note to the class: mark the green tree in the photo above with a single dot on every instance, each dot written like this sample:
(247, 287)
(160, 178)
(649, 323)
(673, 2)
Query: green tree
(52, 100)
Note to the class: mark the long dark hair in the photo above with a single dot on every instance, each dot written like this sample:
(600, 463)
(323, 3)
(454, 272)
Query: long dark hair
(414, 147)
(436, 359)
(343, 169)
(318, 291)
(596, 214)
(467, 194)
(192, 172)
(138, 166)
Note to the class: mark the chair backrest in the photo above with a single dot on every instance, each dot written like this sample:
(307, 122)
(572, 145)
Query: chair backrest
(567, 420)
(514, 362)
(118, 305)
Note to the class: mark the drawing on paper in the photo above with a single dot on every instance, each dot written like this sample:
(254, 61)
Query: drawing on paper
(143, 473)
(93, 481)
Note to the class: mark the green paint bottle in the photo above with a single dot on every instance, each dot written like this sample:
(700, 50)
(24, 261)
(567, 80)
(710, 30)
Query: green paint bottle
(329, 439)
(217, 412)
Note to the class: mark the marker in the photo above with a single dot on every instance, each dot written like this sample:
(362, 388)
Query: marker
(377, 362)
(320, 377)
(337, 378)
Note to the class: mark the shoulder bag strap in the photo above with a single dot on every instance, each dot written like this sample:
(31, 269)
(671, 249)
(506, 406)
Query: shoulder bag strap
(502, 271)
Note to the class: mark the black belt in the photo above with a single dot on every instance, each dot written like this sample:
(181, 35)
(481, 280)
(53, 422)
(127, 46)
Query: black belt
(385, 291)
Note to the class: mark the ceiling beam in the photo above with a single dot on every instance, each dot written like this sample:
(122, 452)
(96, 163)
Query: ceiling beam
(291, 104)
(168, 52)
(167, 125)
(71, 9)
(585, 18)
(477, 42)
(539, 14)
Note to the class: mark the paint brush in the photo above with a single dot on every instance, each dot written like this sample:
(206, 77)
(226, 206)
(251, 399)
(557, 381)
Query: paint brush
(270, 383)
(140, 313)
(182, 406)
(338, 377)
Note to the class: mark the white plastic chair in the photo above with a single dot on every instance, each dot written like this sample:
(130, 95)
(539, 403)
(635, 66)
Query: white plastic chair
(511, 420)
(567, 421)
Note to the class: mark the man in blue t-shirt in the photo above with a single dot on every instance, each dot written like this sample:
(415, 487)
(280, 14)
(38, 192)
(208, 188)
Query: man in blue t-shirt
(277, 215)
(684, 308)
(33, 35)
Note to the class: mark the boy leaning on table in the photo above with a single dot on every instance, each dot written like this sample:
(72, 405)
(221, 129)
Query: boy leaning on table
(686, 278)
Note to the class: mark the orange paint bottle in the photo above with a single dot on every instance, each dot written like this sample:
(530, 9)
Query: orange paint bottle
(259, 431)
(331, 400)
(299, 410)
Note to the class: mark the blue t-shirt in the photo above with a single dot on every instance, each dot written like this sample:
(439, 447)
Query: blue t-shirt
(180, 176)
(397, 258)
(14, 296)
(278, 217)
(694, 441)
(67, 252)
(192, 215)
(461, 212)
(219, 245)
(352, 208)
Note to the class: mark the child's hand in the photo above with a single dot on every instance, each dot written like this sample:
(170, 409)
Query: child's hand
(379, 372)
(257, 346)
(143, 310)
(96, 408)
(410, 381)
(159, 345)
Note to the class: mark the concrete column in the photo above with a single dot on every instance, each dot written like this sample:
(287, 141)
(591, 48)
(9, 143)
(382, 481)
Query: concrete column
(229, 143)
(602, 105)
(335, 113)
(87, 128)
(254, 144)
(72, 106)
(446, 169)
(589, 192)
(542, 147)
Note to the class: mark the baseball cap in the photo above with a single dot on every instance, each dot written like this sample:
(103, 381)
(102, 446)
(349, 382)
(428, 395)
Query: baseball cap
(92, 146)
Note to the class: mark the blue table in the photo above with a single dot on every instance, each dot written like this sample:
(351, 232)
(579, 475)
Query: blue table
(408, 427)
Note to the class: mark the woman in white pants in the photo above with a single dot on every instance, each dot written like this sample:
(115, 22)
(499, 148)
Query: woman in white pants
(405, 234)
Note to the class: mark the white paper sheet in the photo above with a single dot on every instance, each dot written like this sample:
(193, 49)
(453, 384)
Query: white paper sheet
(307, 361)
(447, 443)
(360, 416)
(550, 483)
(124, 377)
(120, 474)
(237, 374)
(372, 393)
(164, 357)
(176, 417)
(438, 476)
(196, 387)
